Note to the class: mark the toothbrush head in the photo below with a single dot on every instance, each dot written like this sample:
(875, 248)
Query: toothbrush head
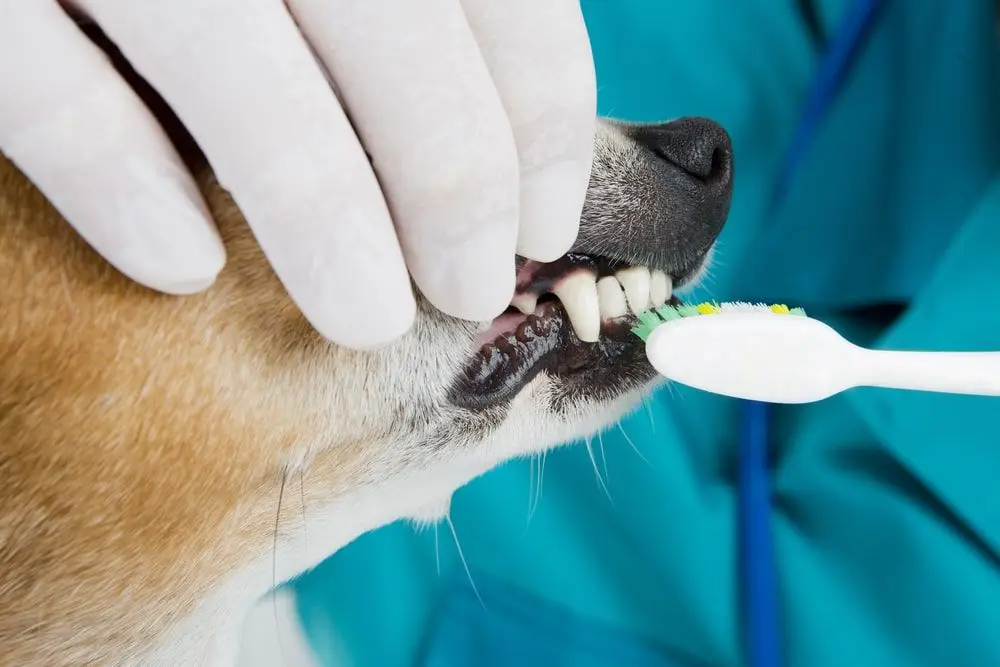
(649, 320)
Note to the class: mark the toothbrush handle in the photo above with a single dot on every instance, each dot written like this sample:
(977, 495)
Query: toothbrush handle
(973, 373)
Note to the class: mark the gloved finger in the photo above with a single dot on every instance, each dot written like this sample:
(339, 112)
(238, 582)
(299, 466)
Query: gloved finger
(252, 95)
(76, 129)
(423, 103)
(540, 59)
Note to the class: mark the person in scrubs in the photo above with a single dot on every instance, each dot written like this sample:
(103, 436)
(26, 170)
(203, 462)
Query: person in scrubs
(885, 510)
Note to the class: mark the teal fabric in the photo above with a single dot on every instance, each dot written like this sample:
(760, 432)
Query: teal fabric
(887, 510)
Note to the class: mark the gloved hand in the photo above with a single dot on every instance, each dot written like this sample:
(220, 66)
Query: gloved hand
(478, 116)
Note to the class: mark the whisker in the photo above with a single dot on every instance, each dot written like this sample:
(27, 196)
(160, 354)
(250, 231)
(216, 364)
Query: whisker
(302, 498)
(531, 491)
(277, 521)
(437, 549)
(274, 560)
(647, 406)
(536, 496)
(541, 475)
(461, 557)
(631, 444)
(597, 471)
(672, 390)
(604, 458)
(538, 485)
(717, 252)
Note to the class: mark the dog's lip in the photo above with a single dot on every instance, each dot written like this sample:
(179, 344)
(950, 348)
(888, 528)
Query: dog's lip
(542, 342)
(496, 371)
(539, 332)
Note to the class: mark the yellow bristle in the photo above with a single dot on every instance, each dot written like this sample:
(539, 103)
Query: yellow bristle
(707, 309)
(780, 308)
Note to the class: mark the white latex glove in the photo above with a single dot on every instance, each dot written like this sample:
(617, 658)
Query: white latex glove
(478, 115)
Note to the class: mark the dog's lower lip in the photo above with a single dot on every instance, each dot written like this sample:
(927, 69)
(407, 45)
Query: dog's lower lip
(544, 341)
(571, 319)
(498, 370)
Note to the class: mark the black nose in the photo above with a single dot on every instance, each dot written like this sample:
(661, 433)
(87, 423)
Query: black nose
(697, 146)
(690, 168)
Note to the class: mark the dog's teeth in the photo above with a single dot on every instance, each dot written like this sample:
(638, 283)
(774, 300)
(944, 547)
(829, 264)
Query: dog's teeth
(526, 302)
(660, 288)
(611, 298)
(635, 280)
(578, 293)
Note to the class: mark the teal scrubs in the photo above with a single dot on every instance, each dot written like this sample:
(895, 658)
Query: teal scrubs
(887, 504)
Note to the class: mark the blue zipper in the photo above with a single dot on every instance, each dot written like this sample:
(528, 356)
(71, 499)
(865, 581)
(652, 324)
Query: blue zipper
(761, 595)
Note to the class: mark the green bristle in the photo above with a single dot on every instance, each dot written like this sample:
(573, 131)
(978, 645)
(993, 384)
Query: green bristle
(667, 313)
(642, 331)
(650, 319)
(647, 322)
(685, 310)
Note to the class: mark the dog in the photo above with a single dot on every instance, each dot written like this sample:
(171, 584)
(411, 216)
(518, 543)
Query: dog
(146, 441)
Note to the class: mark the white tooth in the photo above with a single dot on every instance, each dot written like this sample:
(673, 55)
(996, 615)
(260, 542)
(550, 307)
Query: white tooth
(660, 287)
(635, 280)
(578, 293)
(525, 302)
(611, 298)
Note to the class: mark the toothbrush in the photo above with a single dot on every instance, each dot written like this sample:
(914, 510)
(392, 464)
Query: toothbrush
(777, 354)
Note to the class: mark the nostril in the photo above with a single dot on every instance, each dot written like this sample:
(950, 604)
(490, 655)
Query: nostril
(722, 161)
(699, 164)
(698, 146)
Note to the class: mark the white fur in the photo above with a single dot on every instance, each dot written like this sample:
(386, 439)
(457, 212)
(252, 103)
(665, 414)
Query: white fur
(419, 444)
(211, 635)
(272, 635)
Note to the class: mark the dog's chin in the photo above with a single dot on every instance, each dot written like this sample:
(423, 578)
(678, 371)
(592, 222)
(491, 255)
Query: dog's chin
(538, 336)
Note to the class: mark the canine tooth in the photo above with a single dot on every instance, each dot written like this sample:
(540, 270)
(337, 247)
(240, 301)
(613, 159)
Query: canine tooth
(526, 302)
(578, 293)
(611, 298)
(635, 280)
(660, 287)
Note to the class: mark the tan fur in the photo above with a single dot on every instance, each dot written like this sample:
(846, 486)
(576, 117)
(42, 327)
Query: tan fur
(135, 428)
(146, 440)
(126, 419)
